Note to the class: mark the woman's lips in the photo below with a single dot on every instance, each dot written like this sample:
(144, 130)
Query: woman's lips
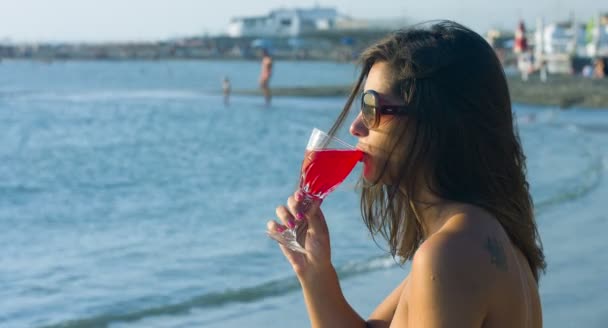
(364, 154)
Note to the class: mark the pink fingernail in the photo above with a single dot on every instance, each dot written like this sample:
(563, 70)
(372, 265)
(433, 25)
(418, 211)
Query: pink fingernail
(291, 224)
(280, 229)
(298, 196)
(299, 216)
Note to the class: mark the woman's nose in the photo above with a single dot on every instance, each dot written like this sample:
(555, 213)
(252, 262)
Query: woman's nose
(358, 128)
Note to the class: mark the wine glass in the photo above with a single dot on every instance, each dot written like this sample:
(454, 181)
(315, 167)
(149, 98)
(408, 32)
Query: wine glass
(327, 162)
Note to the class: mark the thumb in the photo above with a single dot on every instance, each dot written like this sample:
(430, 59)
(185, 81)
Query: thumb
(315, 218)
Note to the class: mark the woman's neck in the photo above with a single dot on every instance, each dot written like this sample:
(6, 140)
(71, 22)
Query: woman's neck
(434, 212)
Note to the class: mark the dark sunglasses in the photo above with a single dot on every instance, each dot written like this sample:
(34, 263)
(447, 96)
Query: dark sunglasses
(372, 106)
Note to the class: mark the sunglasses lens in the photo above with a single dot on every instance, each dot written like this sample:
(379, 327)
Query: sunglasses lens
(368, 109)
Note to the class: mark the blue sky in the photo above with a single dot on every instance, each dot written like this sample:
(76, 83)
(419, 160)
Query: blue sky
(121, 20)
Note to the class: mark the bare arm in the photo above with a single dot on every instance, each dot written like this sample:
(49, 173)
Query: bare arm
(332, 310)
(326, 304)
(383, 314)
(323, 296)
(446, 287)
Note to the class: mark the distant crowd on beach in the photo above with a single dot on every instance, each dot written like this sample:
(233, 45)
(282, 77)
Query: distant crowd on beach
(566, 48)
(597, 70)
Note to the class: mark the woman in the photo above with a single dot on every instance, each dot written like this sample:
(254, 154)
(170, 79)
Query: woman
(443, 182)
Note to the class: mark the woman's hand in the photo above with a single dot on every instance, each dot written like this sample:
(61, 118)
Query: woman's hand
(317, 259)
(324, 300)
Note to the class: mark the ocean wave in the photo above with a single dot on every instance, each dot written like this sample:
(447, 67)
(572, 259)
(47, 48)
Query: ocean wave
(22, 190)
(271, 288)
(12, 190)
(577, 187)
(111, 95)
(596, 128)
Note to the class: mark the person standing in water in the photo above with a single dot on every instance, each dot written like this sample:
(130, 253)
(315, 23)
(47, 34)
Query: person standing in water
(226, 89)
(265, 75)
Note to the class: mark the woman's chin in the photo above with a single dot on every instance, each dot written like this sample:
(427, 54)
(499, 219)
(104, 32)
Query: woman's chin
(370, 170)
(369, 175)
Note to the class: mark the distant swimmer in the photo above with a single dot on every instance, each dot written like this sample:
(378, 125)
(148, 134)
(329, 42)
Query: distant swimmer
(265, 75)
(226, 88)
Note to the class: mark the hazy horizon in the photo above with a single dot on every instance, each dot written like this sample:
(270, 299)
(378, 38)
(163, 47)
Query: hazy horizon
(139, 20)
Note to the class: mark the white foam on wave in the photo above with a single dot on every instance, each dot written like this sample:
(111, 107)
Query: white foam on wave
(274, 288)
(378, 263)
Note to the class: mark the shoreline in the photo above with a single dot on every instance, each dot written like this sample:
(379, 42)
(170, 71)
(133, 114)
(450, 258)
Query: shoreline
(560, 91)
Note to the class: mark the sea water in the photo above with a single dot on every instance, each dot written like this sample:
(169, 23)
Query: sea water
(130, 196)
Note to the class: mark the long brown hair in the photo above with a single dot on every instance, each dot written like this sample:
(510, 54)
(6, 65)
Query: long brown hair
(459, 138)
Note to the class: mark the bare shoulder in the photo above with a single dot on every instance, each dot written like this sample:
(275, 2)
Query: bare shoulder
(469, 248)
(461, 257)
(452, 279)
(464, 275)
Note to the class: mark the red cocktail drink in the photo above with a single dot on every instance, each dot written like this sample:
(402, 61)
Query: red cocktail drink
(327, 162)
(323, 170)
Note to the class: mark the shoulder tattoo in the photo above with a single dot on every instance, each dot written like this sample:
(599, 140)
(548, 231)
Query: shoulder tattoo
(497, 253)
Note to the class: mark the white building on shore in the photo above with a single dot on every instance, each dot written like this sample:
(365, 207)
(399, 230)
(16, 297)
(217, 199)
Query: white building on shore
(285, 23)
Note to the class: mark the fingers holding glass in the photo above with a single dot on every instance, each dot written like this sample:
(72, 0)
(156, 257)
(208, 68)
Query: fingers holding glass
(286, 217)
(273, 226)
(302, 207)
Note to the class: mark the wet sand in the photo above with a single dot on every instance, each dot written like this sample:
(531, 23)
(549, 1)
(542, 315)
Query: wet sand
(559, 91)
